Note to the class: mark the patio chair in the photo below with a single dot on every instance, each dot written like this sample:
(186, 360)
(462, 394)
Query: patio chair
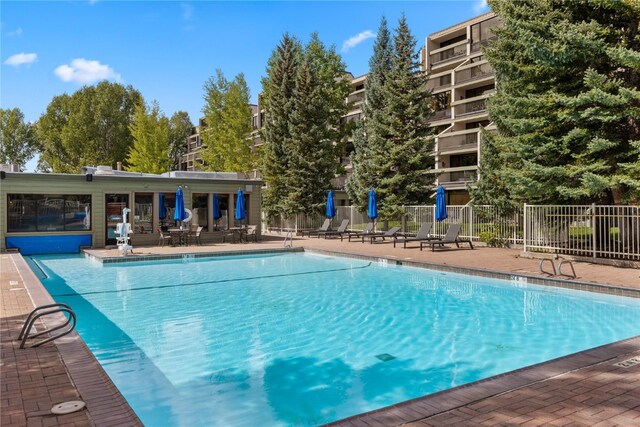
(341, 231)
(325, 227)
(195, 235)
(164, 238)
(390, 233)
(368, 229)
(252, 233)
(423, 234)
(452, 236)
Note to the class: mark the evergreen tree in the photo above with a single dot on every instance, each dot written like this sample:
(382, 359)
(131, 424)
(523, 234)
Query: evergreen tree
(567, 108)
(278, 98)
(369, 135)
(394, 142)
(18, 139)
(312, 157)
(89, 127)
(150, 150)
(228, 119)
(180, 128)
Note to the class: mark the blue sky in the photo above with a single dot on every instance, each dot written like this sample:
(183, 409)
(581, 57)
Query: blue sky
(168, 49)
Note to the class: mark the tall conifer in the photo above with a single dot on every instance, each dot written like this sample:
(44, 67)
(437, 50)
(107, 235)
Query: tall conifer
(567, 106)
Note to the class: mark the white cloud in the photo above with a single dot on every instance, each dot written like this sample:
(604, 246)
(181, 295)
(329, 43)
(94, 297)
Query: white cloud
(21, 59)
(16, 33)
(187, 11)
(85, 71)
(480, 6)
(357, 39)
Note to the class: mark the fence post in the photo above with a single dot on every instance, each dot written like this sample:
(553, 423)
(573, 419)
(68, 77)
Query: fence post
(526, 227)
(472, 234)
(403, 222)
(593, 229)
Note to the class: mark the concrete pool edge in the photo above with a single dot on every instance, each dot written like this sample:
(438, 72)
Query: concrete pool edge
(105, 404)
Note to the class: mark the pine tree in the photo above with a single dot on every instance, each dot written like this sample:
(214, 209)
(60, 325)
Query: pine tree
(369, 135)
(312, 157)
(567, 108)
(393, 143)
(150, 131)
(228, 119)
(277, 98)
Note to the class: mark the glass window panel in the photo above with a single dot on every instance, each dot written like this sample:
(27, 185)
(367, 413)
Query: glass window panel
(22, 212)
(77, 212)
(143, 213)
(50, 213)
(170, 206)
(200, 208)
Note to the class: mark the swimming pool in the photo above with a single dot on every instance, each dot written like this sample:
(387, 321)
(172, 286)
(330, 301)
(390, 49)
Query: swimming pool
(302, 339)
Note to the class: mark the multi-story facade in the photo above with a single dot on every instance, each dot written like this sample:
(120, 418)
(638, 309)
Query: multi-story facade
(461, 80)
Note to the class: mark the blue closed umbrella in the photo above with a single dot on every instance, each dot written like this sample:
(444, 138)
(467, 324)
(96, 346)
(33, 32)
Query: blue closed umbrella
(217, 213)
(162, 210)
(441, 204)
(331, 206)
(179, 214)
(240, 213)
(373, 205)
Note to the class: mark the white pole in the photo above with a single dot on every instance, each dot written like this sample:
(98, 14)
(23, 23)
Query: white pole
(526, 226)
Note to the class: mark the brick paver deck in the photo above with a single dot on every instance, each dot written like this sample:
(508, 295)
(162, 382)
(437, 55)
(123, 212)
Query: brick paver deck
(582, 389)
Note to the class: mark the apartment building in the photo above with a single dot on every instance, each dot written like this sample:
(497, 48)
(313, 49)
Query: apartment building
(461, 80)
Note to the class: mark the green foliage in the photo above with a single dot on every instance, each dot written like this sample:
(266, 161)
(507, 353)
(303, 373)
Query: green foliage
(493, 240)
(19, 140)
(150, 151)
(394, 142)
(303, 96)
(89, 127)
(180, 128)
(227, 135)
(567, 106)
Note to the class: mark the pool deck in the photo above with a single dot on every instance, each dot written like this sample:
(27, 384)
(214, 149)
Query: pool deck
(583, 389)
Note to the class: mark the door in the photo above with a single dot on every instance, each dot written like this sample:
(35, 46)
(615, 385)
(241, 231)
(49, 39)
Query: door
(114, 204)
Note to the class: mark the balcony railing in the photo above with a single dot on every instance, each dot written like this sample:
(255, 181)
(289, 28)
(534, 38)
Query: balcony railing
(441, 115)
(474, 73)
(470, 108)
(457, 142)
(448, 54)
(458, 177)
(354, 98)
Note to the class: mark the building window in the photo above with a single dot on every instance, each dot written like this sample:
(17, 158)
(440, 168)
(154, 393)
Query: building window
(482, 32)
(462, 160)
(200, 208)
(48, 212)
(143, 213)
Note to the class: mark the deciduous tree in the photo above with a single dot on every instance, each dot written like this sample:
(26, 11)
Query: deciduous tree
(19, 138)
(89, 127)
(180, 128)
(150, 130)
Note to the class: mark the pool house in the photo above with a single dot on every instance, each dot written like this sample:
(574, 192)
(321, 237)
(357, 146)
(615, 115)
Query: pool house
(57, 213)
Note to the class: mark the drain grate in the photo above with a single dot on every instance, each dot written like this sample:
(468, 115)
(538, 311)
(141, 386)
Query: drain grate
(385, 357)
(68, 407)
(628, 363)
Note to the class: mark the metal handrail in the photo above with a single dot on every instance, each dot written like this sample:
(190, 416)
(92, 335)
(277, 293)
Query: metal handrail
(288, 237)
(36, 314)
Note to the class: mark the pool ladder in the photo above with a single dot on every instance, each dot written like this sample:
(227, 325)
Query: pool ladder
(288, 239)
(558, 271)
(48, 310)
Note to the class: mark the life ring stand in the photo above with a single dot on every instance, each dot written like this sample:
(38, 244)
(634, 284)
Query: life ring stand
(189, 215)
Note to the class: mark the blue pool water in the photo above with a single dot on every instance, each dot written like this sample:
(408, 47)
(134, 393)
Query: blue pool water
(302, 339)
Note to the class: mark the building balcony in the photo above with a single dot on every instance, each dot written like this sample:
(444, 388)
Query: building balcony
(338, 182)
(467, 142)
(441, 115)
(448, 54)
(475, 73)
(472, 106)
(356, 98)
(459, 176)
